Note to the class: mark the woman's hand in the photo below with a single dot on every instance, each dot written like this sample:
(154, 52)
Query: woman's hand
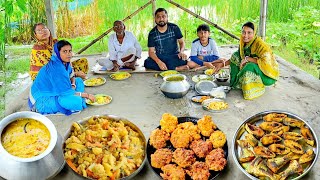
(80, 74)
(208, 65)
(182, 56)
(91, 97)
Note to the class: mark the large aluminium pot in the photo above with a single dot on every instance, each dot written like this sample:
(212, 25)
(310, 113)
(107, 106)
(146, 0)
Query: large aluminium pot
(175, 86)
(43, 166)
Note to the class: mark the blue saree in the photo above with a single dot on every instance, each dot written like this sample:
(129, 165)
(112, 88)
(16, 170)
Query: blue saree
(51, 92)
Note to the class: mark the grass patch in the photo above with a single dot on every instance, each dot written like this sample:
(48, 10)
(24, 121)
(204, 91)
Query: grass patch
(290, 56)
(14, 52)
(16, 66)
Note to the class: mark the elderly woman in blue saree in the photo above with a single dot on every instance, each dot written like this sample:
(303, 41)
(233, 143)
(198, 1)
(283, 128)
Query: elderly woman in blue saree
(55, 89)
(253, 66)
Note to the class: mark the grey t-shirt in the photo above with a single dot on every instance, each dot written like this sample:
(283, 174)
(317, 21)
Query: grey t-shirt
(198, 50)
(165, 43)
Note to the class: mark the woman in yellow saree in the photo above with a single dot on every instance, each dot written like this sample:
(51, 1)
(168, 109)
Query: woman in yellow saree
(42, 50)
(253, 66)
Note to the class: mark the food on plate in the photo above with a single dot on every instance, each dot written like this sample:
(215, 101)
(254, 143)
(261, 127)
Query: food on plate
(180, 138)
(294, 146)
(270, 139)
(25, 138)
(183, 157)
(217, 105)
(104, 148)
(254, 130)
(169, 72)
(279, 149)
(276, 163)
(251, 140)
(246, 154)
(100, 99)
(200, 99)
(198, 171)
(306, 133)
(218, 139)
(270, 126)
(172, 172)
(187, 150)
(293, 168)
(161, 157)
(206, 125)
(259, 168)
(191, 129)
(277, 117)
(263, 152)
(293, 122)
(210, 71)
(307, 157)
(279, 131)
(201, 148)
(292, 136)
(216, 160)
(168, 122)
(120, 75)
(285, 147)
(94, 81)
(158, 138)
(201, 77)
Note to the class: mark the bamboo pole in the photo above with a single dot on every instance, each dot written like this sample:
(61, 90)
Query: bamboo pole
(263, 18)
(50, 17)
(110, 29)
(203, 19)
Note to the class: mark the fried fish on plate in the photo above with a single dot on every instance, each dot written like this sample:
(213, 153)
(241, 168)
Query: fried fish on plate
(215, 160)
(168, 122)
(206, 125)
(183, 157)
(161, 157)
(201, 148)
(180, 138)
(158, 138)
(191, 129)
(198, 171)
(172, 172)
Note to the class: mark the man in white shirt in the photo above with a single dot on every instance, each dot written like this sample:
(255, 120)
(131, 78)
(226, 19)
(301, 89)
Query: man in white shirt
(124, 49)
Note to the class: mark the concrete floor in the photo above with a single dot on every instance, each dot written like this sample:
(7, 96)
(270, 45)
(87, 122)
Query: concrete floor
(140, 100)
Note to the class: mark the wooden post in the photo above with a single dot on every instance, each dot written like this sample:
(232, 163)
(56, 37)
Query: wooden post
(50, 17)
(154, 7)
(263, 18)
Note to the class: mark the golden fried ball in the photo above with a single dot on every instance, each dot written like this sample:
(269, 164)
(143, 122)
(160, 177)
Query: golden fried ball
(218, 139)
(161, 157)
(158, 138)
(168, 122)
(206, 125)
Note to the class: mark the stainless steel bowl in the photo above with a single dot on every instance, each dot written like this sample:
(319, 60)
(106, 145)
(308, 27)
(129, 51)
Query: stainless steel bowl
(113, 118)
(205, 87)
(45, 167)
(256, 119)
(175, 89)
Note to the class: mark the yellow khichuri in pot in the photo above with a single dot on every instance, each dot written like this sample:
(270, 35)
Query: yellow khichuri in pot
(25, 138)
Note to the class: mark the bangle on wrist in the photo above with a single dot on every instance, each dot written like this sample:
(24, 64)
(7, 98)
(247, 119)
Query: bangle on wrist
(80, 94)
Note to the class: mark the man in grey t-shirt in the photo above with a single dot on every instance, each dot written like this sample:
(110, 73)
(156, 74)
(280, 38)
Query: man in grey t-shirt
(164, 53)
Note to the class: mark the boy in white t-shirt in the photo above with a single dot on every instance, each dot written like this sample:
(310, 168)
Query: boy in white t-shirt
(204, 49)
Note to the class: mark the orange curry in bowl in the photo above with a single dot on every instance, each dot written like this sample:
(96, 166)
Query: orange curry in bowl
(25, 138)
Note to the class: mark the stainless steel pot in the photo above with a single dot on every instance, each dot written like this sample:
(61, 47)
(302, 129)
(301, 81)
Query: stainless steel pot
(44, 166)
(175, 89)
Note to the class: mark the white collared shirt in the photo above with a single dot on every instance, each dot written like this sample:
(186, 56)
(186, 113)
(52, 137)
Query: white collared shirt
(117, 50)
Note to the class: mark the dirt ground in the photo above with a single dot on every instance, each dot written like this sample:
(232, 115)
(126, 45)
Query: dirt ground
(140, 100)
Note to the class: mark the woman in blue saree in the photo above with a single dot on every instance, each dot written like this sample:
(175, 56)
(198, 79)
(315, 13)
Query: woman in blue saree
(55, 89)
